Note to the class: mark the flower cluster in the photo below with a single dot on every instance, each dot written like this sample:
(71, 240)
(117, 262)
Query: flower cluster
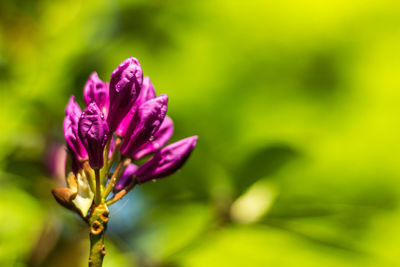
(123, 122)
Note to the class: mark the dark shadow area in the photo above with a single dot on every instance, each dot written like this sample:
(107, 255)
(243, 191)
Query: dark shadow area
(321, 74)
(262, 163)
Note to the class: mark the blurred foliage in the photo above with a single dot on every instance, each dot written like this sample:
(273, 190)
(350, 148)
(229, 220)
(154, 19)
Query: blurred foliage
(296, 108)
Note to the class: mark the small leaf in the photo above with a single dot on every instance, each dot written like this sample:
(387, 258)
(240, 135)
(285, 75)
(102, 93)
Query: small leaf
(84, 198)
(72, 182)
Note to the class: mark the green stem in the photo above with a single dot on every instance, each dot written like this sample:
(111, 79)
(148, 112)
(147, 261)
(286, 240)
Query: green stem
(98, 226)
(122, 164)
(97, 196)
(122, 193)
(114, 153)
(104, 170)
(111, 183)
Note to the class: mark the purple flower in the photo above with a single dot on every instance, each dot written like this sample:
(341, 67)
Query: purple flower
(126, 121)
(74, 144)
(96, 90)
(160, 138)
(93, 131)
(73, 110)
(126, 178)
(145, 123)
(126, 81)
(123, 122)
(167, 160)
(147, 92)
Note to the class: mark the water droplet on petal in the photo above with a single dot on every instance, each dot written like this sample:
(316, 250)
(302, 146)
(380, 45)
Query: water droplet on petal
(156, 145)
(117, 89)
(102, 116)
(151, 138)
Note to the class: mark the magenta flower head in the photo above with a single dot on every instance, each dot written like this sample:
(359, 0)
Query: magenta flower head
(97, 91)
(166, 161)
(74, 144)
(126, 178)
(160, 138)
(145, 123)
(93, 131)
(125, 84)
(123, 122)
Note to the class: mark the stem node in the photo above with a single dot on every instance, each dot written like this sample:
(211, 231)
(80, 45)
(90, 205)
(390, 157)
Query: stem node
(98, 226)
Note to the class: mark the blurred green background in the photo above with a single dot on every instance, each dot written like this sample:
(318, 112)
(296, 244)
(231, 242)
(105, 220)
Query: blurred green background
(296, 104)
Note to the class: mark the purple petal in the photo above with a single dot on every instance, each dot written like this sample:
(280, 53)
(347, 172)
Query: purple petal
(126, 81)
(126, 178)
(73, 110)
(161, 137)
(93, 131)
(96, 90)
(126, 121)
(147, 92)
(167, 160)
(73, 113)
(146, 122)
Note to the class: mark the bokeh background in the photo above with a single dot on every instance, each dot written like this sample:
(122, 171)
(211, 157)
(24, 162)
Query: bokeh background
(296, 104)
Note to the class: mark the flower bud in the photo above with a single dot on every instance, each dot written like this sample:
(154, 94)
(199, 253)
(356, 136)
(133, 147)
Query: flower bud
(93, 131)
(126, 121)
(96, 90)
(64, 197)
(167, 160)
(73, 110)
(126, 178)
(145, 123)
(74, 144)
(147, 92)
(160, 138)
(126, 81)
